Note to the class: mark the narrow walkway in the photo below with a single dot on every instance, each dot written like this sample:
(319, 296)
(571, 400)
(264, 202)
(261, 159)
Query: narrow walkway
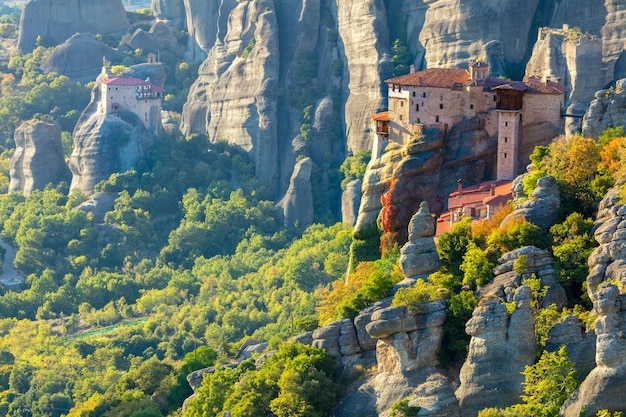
(10, 276)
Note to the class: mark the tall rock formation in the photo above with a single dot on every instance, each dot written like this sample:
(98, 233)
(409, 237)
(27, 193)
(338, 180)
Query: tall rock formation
(56, 21)
(419, 257)
(170, 11)
(272, 67)
(235, 96)
(605, 386)
(603, 18)
(365, 40)
(38, 158)
(500, 348)
(607, 110)
(296, 207)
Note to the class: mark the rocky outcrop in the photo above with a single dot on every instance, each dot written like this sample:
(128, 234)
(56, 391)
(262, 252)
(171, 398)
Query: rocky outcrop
(57, 21)
(419, 257)
(579, 342)
(605, 386)
(500, 348)
(407, 341)
(406, 354)
(159, 38)
(38, 158)
(79, 58)
(350, 201)
(604, 19)
(99, 204)
(425, 169)
(296, 207)
(542, 209)
(608, 261)
(607, 110)
(538, 263)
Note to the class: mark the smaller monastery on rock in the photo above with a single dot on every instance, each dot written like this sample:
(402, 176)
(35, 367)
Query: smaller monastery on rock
(135, 95)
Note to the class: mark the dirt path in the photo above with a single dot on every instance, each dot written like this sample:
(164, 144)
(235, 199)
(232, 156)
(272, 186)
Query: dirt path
(10, 276)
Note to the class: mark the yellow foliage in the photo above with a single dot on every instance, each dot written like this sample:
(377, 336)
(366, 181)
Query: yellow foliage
(483, 228)
(610, 155)
(583, 161)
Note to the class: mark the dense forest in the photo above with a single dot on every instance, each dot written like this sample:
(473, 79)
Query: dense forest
(191, 263)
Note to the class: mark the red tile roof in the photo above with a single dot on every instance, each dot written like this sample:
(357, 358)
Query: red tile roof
(433, 77)
(124, 81)
(454, 78)
(383, 116)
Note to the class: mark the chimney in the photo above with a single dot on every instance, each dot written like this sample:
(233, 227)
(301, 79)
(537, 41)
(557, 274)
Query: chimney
(492, 191)
(412, 70)
(460, 186)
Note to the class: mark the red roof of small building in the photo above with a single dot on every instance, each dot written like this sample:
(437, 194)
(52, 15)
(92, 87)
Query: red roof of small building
(124, 81)
(382, 117)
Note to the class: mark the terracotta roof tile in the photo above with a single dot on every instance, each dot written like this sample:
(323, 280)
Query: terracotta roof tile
(433, 77)
(383, 117)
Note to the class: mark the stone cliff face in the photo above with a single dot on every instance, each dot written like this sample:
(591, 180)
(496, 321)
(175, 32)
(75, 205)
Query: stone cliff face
(58, 20)
(216, 104)
(455, 32)
(426, 169)
(38, 157)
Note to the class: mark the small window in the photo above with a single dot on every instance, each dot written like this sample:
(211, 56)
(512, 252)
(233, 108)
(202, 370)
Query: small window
(109, 88)
(505, 154)
(424, 94)
(506, 139)
(494, 98)
(417, 107)
(402, 104)
(400, 117)
(471, 106)
(441, 106)
(418, 120)
(506, 124)
(393, 87)
(413, 93)
(399, 88)
(436, 119)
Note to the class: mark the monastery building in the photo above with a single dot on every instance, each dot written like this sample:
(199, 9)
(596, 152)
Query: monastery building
(442, 97)
(135, 95)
